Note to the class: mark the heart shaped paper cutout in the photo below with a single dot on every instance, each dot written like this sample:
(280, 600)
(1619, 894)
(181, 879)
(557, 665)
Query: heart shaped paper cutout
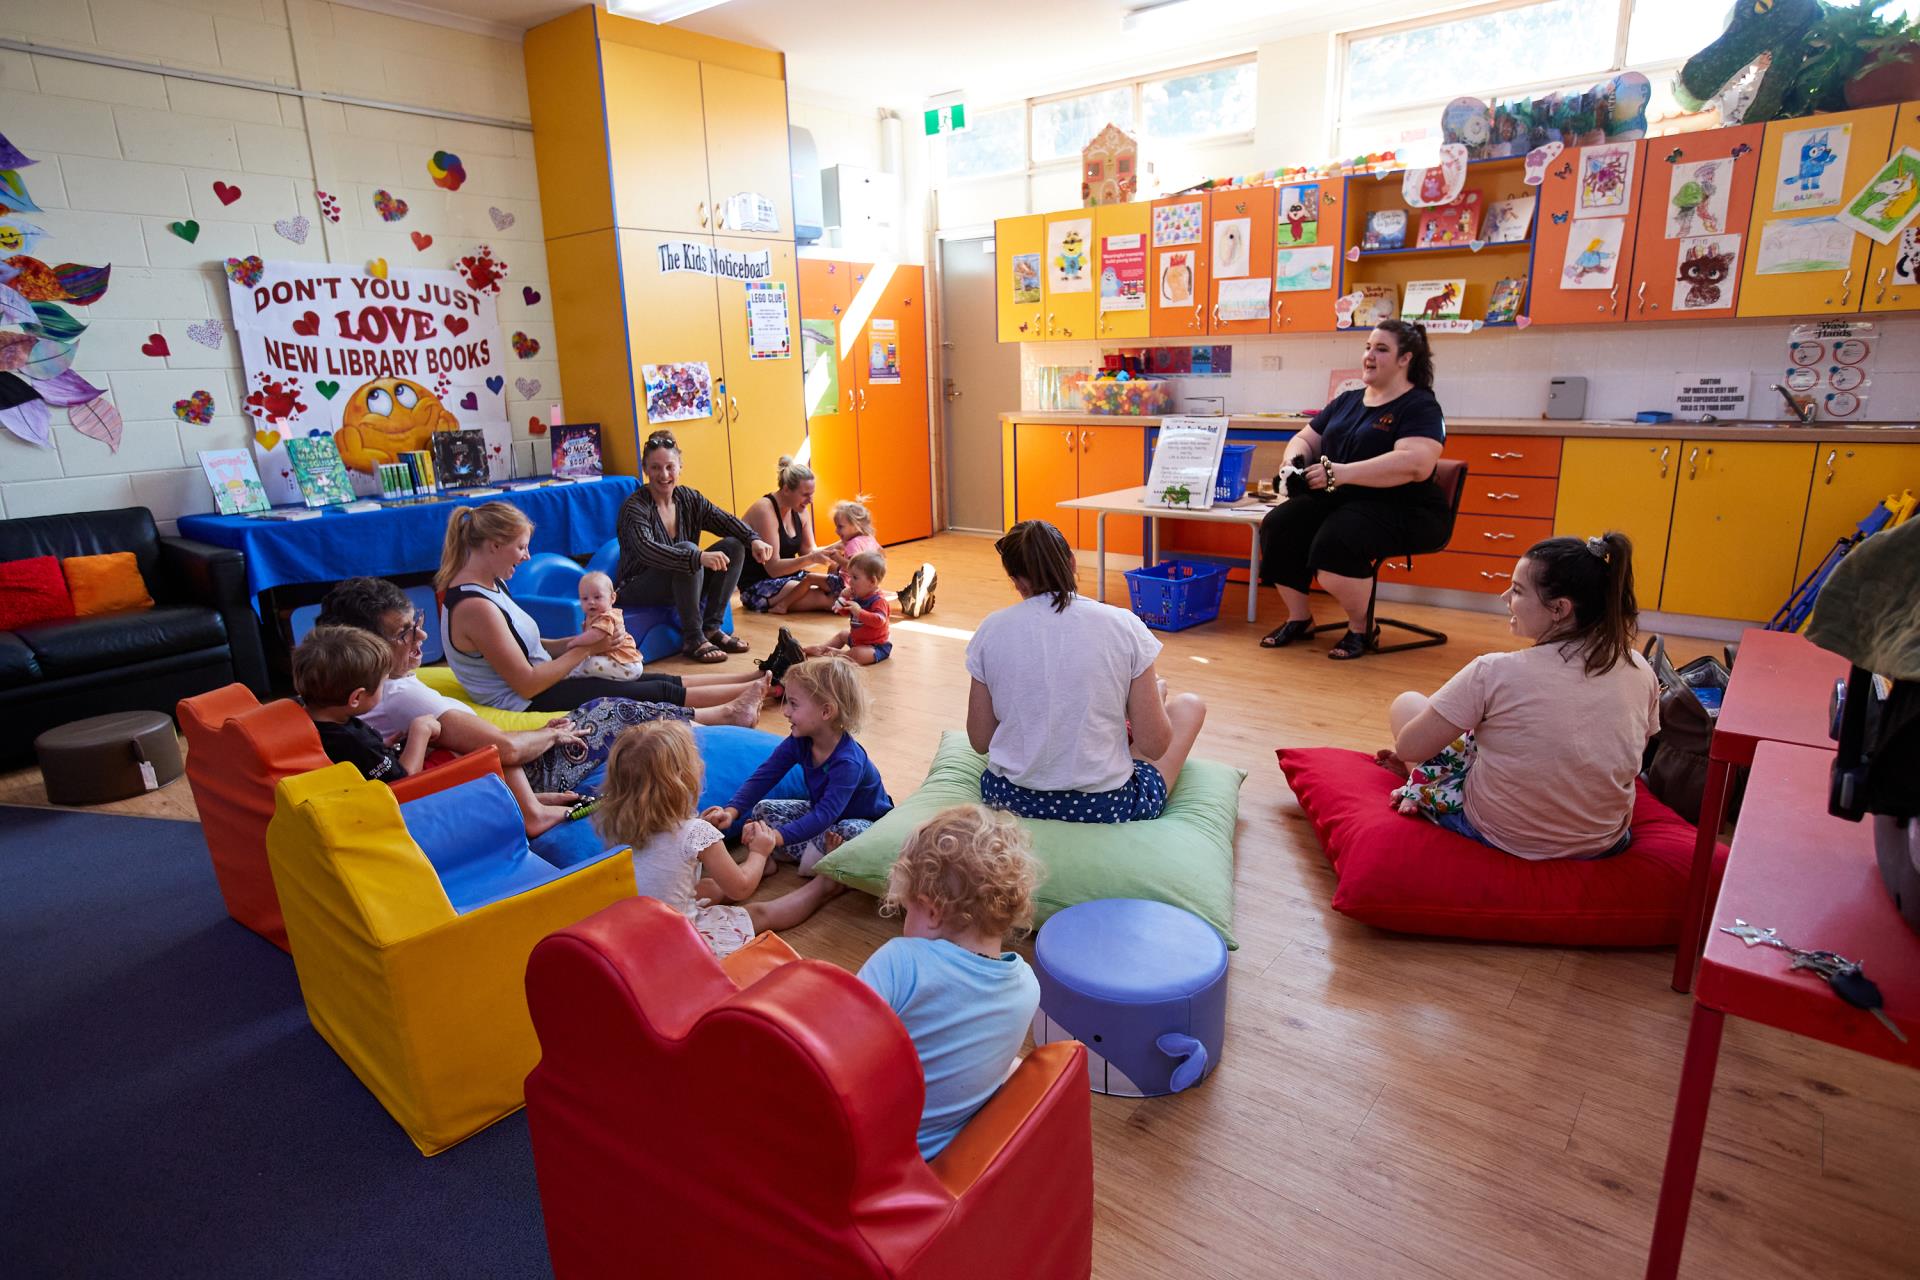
(294, 228)
(1476, 245)
(470, 402)
(536, 427)
(501, 219)
(527, 387)
(531, 294)
(327, 388)
(524, 347)
(456, 325)
(268, 440)
(378, 268)
(246, 271)
(1521, 322)
(308, 325)
(227, 193)
(188, 230)
(329, 204)
(208, 333)
(421, 240)
(156, 346)
(495, 383)
(197, 408)
(1353, 253)
(390, 207)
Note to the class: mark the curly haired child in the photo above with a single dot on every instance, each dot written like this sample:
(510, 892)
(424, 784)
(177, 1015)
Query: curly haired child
(964, 879)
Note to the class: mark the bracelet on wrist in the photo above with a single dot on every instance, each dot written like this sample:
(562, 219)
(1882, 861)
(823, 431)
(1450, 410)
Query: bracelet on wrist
(1326, 469)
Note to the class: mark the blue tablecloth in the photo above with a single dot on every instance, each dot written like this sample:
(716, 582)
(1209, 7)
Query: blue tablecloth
(572, 519)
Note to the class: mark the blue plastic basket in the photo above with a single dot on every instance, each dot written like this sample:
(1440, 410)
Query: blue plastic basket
(1176, 594)
(1236, 460)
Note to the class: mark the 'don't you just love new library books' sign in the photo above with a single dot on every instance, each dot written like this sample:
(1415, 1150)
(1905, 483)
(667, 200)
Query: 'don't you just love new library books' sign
(379, 363)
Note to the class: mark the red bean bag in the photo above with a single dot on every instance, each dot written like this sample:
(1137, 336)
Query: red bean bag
(1404, 873)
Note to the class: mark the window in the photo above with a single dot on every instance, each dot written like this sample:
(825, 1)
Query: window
(1204, 104)
(993, 142)
(1669, 32)
(1063, 126)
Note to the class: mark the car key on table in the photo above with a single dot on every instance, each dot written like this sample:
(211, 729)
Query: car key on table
(1847, 978)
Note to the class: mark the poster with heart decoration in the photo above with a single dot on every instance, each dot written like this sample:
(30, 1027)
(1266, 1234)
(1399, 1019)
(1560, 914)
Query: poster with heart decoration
(378, 364)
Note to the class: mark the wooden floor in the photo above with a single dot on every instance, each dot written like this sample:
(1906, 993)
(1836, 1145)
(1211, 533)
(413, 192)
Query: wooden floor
(1391, 1106)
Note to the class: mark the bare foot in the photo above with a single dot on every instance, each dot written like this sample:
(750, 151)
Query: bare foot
(745, 709)
(817, 650)
(763, 687)
(565, 799)
(545, 818)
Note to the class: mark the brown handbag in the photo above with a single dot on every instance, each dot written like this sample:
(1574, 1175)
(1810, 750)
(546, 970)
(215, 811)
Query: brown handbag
(1675, 764)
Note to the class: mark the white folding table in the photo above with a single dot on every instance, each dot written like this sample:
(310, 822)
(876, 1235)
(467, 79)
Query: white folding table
(1133, 502)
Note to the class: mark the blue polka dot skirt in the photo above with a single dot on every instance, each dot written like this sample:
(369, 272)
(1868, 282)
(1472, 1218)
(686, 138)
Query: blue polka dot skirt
(1142, 798)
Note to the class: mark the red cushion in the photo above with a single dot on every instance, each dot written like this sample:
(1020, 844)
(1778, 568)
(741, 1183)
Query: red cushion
(33, 591)
(1406, 874)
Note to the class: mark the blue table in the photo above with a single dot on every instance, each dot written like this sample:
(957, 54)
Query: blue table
(572, 519)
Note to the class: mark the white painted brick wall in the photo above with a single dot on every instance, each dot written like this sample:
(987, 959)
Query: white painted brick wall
(121, 154)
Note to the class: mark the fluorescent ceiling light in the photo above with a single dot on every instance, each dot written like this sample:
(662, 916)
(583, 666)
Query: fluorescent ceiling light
(1193, 15)
(660, 10)
(1156, 16)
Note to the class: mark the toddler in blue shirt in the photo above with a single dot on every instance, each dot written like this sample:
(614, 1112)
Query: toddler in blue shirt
(964, 879)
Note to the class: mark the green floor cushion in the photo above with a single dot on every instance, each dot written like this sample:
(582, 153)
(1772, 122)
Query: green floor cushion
(1183, 858)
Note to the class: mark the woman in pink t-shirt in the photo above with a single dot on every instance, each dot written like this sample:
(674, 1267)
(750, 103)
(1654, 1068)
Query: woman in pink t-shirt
(1534, 751)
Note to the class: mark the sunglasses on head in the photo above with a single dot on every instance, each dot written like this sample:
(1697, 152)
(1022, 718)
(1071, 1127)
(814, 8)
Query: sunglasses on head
(662, 438)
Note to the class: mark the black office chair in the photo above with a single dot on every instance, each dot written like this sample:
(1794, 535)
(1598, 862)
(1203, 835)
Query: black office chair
(1451, 475)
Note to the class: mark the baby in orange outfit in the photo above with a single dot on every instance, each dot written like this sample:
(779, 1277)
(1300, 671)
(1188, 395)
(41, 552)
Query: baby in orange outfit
(622, 662)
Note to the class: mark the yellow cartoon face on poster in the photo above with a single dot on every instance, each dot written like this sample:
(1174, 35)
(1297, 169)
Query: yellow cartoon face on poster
(387, 417)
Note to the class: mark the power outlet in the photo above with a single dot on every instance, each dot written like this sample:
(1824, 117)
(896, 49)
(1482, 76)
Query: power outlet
(1270, 363)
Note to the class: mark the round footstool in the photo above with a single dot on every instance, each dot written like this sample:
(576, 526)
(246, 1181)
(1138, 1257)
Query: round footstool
(99, 759)
(1142, 984)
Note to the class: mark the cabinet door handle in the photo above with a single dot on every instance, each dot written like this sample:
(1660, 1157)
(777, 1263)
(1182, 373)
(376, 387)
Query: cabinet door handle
(1693, 460)
(1640, 295)
(1397, 568)
(1083, 440)
(1050, 324)
(1846, 286)
(1831, 455)
(1277, 304)
(733, 409)
(1613, 299)
(1881, 280)
(863, 397)
(1196, 319)
(1068, 437)
(1499, 537)
(849, 399)
(1664, 451)
(1503, 497)
(1496, 577)
(1507, 455)
(1216, 313)
(703, 213)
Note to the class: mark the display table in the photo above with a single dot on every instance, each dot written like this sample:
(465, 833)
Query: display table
(1133, 502)
(1812, 879)
(572, 519)
(1781, 690)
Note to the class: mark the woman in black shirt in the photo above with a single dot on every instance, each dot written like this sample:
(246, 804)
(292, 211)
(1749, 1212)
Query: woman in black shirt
(1368, 458)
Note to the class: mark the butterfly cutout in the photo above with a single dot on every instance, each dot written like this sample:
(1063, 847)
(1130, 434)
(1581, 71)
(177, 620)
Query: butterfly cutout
(1744, 147)
(1559, 218)
(1673, 156)
(1564, 171)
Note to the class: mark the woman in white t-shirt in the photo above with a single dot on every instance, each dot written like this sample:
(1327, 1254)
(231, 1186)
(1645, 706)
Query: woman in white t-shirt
(1534, 752)
(1057, 679)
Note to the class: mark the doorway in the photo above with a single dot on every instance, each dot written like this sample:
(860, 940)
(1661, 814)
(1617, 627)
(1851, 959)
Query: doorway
(982, 381)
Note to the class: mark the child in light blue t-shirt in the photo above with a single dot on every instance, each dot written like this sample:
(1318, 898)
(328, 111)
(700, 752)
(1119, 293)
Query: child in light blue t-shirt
(964, 879)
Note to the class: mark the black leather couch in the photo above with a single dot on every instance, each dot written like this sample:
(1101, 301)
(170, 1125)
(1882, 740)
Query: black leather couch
(200, 634)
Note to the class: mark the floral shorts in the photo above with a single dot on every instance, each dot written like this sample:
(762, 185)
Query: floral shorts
(1437, 791)
(778, 813)
(760, 596)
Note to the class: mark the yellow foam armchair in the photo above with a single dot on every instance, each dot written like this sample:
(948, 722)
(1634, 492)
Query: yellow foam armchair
(427, 1006)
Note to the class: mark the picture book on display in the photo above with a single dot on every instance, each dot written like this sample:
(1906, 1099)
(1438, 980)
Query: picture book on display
(1451, 224)
(1433, 300)
(319, 472)
(236, 483)
(576, 450)
(1377, 302)
(1503, 302)
(1386, 229)
(1507, 221)
(460, 458)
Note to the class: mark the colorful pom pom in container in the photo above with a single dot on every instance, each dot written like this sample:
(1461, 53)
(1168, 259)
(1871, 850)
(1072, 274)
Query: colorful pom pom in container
(1127, 396)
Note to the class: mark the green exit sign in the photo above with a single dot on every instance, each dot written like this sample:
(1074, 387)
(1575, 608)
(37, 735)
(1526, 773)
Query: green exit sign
(946, 119)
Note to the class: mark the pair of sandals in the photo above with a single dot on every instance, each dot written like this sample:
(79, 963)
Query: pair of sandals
(1351, 645)
(714, 646)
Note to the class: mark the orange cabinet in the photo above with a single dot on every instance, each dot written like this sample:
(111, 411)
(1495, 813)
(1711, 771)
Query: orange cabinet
(1505, 455)
(1695, 207)
(1056, 463)
(890, 362)
(1018, 302)
(1452, 571)
(1530, 497)
(1178, 283)
(1586, 224)
(1241, 262)
(1306, 218)
(832, 388)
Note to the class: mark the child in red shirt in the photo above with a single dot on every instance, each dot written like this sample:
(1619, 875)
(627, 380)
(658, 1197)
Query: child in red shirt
(867, 638)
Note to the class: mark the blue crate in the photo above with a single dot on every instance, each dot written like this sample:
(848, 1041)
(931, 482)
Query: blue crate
(1236, 460)
(1176, 594)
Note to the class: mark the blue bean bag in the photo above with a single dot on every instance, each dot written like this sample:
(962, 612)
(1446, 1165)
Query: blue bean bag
(547, 586)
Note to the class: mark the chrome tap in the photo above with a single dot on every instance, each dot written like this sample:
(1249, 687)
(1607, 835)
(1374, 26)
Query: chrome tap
(1802, 407)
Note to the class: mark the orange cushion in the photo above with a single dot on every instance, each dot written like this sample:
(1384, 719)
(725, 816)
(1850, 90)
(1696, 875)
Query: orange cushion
(106, 584)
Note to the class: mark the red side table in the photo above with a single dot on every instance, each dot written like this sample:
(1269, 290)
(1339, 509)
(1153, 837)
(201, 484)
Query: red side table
(1780, 691)
(1812, 878)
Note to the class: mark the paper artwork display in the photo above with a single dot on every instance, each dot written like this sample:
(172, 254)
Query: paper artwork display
(1298, 270)
(1790, 246)
(1605, 176)
(1452, 223)
(749, 211)
(820, 364)
(1243, 299)
(1299, 221)
(1503, 301)
(1593, 254)
(1906, 266)
(1341, 381)
(1440, 184)
(1508, 221)
(576, 450)
(460, 459)
(1123, 273)
(1433, 300)
(318, 471)
(1385, 229)
(1109, 168)
(1232, 254)
(1176, 278)
(1376, 302)
(1026, 278)
(1888, 202)
(235, 481)
(379, 365)
(1813, 167)
(678, 392)
(1537, 161)
(1186, 462)
(769, 332)
(1069, 255)
(1697, 198)
(1176, 224)
(1706, 263)
(883, 352)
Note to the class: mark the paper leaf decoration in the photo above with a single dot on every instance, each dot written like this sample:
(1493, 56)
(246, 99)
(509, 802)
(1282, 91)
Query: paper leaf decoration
(29, 421)
(14, 350)
(18, 237)
(67, 282)
(64, 390)
(13, 193)
(12, 157)
(53, 322)
(97, 419)
(14, 307)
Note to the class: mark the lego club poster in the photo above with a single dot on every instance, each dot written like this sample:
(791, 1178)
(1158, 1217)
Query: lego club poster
(379, 364)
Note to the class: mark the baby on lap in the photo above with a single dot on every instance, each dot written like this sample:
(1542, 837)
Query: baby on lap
(622, 662)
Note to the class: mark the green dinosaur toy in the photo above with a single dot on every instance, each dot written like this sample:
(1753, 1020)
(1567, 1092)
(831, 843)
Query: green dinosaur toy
(1812, 50)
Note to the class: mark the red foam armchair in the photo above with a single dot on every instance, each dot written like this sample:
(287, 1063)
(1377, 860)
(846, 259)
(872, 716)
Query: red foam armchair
(684, 1125)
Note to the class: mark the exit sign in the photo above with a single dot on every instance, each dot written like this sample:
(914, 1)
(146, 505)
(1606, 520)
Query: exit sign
(946, 119)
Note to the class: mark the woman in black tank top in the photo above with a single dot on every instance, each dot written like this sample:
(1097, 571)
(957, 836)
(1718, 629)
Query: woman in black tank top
(783, 518)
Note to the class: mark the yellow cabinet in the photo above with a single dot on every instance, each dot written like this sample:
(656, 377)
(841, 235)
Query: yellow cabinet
(1067, 274)
(746, 119)
(1625, 485)
(673, 317)
(655, 127)
(765, 398)
(1893, 270)
(1849, 480)
(1738, 511)
(1110, 222)
(1017, 246)
(1795, 171)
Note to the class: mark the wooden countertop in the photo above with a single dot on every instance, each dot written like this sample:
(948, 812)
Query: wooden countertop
(1866, 431)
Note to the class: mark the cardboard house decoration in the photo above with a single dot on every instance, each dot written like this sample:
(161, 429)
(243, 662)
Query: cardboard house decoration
(1109, 168)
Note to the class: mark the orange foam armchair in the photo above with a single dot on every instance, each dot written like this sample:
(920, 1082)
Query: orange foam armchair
(686, 1125)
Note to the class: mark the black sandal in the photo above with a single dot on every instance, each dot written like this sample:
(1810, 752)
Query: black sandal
(706, 651)
(1354, 643)
(1286, 633)
(728, 643)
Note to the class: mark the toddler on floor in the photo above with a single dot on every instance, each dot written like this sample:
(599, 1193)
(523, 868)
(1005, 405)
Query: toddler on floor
(652, 790)
(964, 879)
(867, 639)
(854, 523)
(622, 662)
(825, 704)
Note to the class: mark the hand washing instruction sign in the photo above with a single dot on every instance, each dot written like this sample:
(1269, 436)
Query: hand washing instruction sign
(1724, 395)
(1186, 460)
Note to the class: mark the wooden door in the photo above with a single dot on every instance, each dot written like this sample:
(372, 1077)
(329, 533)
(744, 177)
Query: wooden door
(1127, 226)
(896, 467)
(832, 431)
(1795, 198)
(656, 141)
(1849, 480)
(1018, 244)
(1737, 515)
(1241, 243)
(1893, 270)
(1625, 485)
(1695, 207)
(1111, 458)
(674, 318)
(766, 400)
(1177, 282)
(1307, 217)
(1584, 237)
(1067, 280)
(746, 123)
(1047, 472)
